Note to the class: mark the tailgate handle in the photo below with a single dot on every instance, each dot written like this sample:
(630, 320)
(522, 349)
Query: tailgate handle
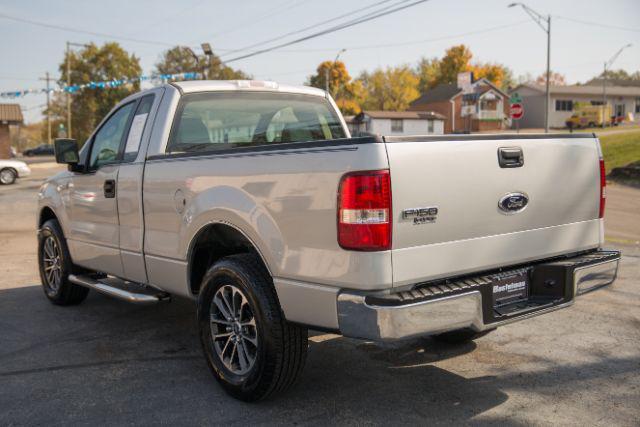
(510, 157)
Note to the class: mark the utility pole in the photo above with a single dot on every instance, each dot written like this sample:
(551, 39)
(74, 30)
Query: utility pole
(608, 65)
(68, 61)
(68, 93)
(540, 20)
(48, 79)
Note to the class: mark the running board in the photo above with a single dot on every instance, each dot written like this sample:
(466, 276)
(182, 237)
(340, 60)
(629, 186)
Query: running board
(120, 289)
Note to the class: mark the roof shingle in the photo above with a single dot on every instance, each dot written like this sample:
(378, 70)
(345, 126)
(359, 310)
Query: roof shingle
(11, 113)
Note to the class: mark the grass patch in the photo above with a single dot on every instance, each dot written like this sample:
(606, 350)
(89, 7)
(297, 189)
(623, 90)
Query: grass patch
(620, 149)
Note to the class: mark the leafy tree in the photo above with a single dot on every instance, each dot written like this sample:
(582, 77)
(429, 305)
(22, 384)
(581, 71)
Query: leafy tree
(181, 59)
(90, 105)
(555, 79)
(347, 93)
(428, 71)
(457, 59)
(497, 74)
(390, 89)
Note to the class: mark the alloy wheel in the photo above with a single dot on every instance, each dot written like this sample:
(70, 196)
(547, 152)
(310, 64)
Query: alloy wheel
(233, 330)
(52, 263)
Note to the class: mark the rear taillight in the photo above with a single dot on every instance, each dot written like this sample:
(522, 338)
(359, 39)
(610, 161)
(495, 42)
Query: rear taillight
(603, 188)
(364, 211)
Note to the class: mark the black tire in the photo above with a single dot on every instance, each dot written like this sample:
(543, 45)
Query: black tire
(8, 176)
(460, 336)
(281, 349)
(59, 292)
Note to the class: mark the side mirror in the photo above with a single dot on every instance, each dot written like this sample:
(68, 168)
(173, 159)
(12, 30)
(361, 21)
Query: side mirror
(66, 151)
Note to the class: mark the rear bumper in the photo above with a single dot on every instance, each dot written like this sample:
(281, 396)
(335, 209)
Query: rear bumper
(434, 308)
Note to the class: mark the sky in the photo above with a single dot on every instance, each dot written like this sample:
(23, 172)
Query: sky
(584, 34)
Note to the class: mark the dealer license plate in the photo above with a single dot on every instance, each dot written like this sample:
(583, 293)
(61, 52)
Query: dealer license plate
(510, 289)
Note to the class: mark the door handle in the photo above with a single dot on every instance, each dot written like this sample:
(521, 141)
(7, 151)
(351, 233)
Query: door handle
(110, 188)
(510, 157)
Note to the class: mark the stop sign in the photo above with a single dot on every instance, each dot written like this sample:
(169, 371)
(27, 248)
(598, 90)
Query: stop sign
(516, 110)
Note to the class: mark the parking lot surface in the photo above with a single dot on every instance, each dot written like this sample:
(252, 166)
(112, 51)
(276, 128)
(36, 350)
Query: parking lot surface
(109, 363)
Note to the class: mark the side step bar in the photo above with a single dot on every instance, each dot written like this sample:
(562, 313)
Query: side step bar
(117, 288)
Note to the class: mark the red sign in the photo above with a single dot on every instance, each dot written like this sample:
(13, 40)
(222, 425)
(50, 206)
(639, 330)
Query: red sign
(517, 111)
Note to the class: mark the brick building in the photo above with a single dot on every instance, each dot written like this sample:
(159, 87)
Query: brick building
(10, 114)
(484, 107)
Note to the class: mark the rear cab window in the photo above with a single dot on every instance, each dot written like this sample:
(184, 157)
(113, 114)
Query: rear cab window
(223, 120)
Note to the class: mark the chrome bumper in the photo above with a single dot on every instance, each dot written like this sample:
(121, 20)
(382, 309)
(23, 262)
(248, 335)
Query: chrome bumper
(361, 317)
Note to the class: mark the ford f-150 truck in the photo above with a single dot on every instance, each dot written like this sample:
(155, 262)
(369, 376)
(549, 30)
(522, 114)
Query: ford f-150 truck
(252, 199)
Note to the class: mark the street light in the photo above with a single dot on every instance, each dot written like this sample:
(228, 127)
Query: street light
(326, 70)
(608, 64)
(540, 20)
(206, 48)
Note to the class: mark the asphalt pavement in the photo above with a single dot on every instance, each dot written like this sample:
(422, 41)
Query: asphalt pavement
(105, 362)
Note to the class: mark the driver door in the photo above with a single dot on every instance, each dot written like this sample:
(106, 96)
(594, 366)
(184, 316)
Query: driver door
(93, 235)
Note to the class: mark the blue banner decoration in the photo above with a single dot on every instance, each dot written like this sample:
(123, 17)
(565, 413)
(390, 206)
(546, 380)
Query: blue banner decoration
(108, 84)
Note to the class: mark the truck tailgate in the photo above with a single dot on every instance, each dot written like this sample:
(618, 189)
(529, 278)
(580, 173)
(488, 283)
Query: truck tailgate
(462, 178)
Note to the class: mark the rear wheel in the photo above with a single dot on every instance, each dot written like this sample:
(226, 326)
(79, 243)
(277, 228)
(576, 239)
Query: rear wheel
(8, 176)
(54, 262)
(460, 336)
(250, 348)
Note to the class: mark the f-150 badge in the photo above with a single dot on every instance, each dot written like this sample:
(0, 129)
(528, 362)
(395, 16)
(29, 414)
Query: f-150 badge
(421, 215)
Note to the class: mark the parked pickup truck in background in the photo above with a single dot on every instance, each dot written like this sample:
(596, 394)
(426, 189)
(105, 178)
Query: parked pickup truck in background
(252, 199)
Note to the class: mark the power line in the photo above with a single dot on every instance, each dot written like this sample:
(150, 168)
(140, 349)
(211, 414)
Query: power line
(327, 31)
(335, 18)
(73, 30)
(597, 24)
(282, 7)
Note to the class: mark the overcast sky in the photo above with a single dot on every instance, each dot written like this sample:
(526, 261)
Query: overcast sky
(492, 31)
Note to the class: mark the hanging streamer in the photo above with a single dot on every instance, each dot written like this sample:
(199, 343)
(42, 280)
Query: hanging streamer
(108, 84)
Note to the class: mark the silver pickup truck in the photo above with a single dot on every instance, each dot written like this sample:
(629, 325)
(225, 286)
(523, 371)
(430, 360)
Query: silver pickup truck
(252, 199)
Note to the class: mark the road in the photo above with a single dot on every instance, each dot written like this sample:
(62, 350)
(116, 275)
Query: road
(107, 362)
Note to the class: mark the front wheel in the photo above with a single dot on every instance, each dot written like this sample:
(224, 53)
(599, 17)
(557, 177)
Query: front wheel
(8, 176)
(54, 262)
(250, 347)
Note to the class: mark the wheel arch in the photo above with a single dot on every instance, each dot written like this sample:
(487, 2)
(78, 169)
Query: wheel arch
(213, 241)
(45, 214)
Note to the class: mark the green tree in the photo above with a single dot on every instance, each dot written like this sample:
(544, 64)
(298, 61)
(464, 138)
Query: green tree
(428, 71)
(456, 60)
(90, 105)
(390, 89)
(181, 59)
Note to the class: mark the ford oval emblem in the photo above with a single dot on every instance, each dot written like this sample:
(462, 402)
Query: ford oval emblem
(513, 203)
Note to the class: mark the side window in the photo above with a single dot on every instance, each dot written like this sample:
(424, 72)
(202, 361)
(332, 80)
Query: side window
(136, 129)
(106, 143)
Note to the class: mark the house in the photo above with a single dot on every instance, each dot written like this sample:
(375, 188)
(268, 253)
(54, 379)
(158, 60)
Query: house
(478, 106)
(623, 100)
(10, 114)
(396, 123)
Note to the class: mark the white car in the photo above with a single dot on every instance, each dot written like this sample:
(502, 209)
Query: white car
(12, 169)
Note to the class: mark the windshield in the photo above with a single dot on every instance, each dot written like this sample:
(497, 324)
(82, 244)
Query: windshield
(219, 120)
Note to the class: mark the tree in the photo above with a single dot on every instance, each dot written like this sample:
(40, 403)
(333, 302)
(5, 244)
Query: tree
(390, 89)
(428, 71)
(555, 79)
(347, 93)
(90, 105)
(181, 59)
(456, 60)
(497, 74)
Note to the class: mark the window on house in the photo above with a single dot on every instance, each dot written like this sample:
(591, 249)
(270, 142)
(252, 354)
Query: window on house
(564, 105)
(637, 105)
(430, 126)
(396, 125)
